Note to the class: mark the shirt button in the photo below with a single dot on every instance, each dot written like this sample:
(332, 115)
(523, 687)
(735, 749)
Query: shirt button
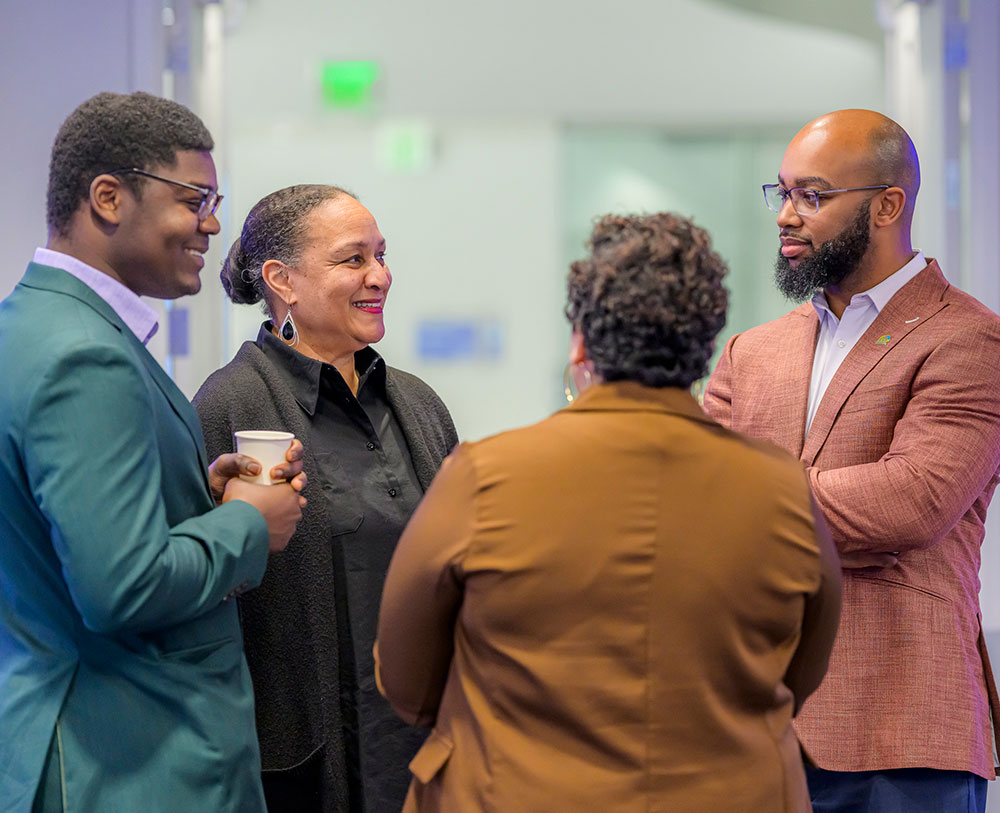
(841, 343)
(370, 446)
(392, 492)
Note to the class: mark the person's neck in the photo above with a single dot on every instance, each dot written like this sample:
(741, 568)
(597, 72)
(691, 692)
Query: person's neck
(85, 252)
(343, 362)
(349, 372)
(875, 267)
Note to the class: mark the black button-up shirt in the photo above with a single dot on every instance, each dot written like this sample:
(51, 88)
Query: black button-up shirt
(365, 473)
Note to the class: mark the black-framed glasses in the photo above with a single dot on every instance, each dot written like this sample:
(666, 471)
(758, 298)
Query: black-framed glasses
(805, 201)
(210, 199)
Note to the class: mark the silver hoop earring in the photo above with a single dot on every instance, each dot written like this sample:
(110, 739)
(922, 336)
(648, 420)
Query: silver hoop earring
(289, 333)
(569, 382)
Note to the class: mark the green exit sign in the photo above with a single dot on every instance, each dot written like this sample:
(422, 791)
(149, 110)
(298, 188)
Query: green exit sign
(348, 84)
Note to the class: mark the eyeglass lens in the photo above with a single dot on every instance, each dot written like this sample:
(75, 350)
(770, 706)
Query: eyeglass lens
(209, 203)
(804, 201)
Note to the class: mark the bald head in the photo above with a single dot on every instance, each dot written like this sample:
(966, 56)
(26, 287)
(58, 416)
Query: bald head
(877, 148)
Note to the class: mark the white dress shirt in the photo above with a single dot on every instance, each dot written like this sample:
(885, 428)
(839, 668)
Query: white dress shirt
(838, 336)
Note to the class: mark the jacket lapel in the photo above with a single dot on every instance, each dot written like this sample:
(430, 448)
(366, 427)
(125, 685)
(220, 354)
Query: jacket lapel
(53, 279)
(180, 405)
(791, 379)
(913, 305)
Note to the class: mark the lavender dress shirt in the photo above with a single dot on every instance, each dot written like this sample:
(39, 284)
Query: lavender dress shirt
(140, 317)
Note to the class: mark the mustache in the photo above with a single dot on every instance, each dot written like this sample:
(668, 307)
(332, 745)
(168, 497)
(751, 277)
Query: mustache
(793, 235)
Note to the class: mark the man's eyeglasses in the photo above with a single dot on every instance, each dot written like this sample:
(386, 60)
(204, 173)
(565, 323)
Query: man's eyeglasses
(804, 201)
(210, 199)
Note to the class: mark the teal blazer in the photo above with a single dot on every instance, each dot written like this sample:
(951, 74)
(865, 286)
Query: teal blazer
(118, 645)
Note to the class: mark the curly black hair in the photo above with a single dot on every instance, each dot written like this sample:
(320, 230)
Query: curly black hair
(115, 131)
(274, 230)
(649, 300)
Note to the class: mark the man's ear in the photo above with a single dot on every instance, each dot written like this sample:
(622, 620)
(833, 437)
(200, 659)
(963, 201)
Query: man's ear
(275, 275)
(106, 198)
(890, 206)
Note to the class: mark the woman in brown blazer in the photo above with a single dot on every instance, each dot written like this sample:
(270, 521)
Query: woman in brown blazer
(619, 608)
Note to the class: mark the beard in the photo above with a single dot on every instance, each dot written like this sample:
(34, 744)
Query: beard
(831, 262)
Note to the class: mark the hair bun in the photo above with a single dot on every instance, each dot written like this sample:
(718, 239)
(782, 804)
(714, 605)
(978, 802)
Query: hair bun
(235, 276)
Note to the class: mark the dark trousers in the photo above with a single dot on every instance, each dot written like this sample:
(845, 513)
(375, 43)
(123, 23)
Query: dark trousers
(906, 790)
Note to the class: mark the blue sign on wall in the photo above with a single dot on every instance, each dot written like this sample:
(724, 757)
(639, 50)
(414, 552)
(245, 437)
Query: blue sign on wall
(459, 340)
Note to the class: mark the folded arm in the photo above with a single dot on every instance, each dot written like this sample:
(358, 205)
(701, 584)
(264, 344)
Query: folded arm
(93, 463)
(944, 453)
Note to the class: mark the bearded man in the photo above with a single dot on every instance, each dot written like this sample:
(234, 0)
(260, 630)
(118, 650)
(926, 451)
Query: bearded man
(886, 384)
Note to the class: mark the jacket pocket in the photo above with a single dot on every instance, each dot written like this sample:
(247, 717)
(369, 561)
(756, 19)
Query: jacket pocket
(217, 654)
(431, 757)
(903, 586)
(890, 399)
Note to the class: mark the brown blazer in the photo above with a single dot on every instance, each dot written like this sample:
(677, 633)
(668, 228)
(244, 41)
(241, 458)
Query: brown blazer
(902, 456)
(603, 612)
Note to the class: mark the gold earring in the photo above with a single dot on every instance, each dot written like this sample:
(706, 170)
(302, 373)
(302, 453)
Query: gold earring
(569, 382)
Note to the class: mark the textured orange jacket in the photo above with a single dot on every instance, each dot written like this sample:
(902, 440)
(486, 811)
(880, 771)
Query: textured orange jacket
(902, 456)
(601, 612)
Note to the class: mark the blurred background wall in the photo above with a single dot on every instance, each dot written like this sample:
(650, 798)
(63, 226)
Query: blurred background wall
(486, 137)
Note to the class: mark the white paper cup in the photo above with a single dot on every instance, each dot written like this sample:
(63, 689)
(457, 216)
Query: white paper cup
(267, 448)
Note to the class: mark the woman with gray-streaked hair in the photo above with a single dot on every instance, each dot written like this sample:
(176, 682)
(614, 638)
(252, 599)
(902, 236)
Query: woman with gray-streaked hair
(375, 436)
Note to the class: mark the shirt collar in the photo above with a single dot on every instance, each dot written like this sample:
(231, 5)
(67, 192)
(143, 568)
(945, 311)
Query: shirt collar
(879, 295)
(303, 375)
(139, 317)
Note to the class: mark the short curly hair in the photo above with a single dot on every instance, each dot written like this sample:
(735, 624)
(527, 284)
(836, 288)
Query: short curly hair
(649, 300)
(113, 131)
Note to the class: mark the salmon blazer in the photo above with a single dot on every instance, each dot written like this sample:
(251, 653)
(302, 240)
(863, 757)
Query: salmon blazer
(902, 456)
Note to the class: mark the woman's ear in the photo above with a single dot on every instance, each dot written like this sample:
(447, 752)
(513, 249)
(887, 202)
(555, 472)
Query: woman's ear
(276, 277)
(577, 352)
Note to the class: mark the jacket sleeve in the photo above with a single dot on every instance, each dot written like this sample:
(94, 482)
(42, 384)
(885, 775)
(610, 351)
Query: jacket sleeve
(820, 619)
(92, 459)
(944, 454)
(718, 400)
(423, 593)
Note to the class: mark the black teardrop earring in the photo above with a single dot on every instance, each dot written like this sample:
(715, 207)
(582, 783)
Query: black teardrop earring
(289, 333)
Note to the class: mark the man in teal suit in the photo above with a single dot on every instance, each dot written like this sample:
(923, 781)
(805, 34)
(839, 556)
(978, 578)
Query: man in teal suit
(123, 685)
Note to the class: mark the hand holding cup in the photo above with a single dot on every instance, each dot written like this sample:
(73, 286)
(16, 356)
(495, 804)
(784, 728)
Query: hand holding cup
(234, 464)
(270, 450)
(281, 505)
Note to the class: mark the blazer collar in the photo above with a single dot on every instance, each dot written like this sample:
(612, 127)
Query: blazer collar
(912, 306)
(47, 278)
(791, 377)
(631, 396)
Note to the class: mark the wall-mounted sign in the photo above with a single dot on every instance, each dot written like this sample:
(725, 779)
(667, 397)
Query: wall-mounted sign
(348, 84)
(460, 340)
